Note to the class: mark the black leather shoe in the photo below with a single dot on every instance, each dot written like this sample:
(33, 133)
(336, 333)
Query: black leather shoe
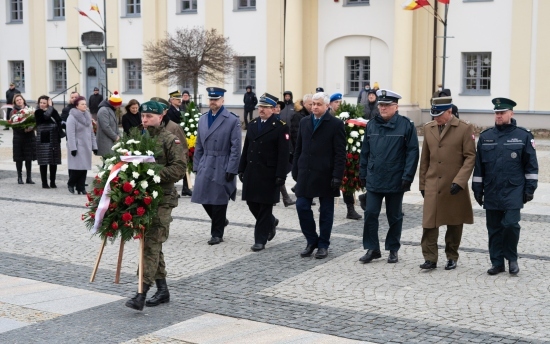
(428, 265)
(370, 255)
(271, 234)
(82, 192)
(138, 301)
(308, 251)
(215, 241)
(363, 201)
(71, 189)
(496, 270)
(321, 253)
(451, 264)
(513, 268)
(52, 185)
(288, 204)
(45, 186)
(29, 181)
(392, 258)
(161, 296)
(186, 192)
(20, 180)
(257, 247)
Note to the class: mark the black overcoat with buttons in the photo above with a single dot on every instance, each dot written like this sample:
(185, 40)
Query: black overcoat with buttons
(264, 158)
(319, 156)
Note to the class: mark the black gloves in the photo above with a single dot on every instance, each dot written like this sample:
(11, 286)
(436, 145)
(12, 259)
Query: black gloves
(405, 185)
(241, 176)
(422, 192)
(479, 199)
(335, 183)
(363, 182)
(73, 153)
(455, 188)
(527, 197)
(279, 181)
(229, 177)
(95, 151)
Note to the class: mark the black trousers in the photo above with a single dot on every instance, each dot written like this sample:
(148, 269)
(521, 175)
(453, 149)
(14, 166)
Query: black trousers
(247, 114)
(77, 179)
(44, 173)
(217, 213)
(503, 229)
(263, 213)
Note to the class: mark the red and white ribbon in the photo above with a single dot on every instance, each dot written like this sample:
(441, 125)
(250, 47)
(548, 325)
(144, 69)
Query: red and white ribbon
(105, 197)
(358, 121)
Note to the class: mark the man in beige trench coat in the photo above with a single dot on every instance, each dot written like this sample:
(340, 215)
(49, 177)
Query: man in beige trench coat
(446, 164)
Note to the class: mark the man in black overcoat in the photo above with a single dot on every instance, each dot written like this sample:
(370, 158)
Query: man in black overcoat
(263, 168)
(318, 168)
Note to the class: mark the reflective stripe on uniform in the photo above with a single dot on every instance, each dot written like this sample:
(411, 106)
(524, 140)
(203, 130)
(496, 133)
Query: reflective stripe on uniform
(477, 179)
(532, 176)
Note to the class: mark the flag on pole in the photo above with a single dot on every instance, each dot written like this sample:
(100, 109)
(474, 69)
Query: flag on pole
(94, 8)
(82, 13)
(444, 1)
(411, 5)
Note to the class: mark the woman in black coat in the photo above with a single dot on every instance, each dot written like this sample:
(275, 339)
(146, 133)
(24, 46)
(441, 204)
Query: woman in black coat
(23, 143)
(132, 117)
(48, 140)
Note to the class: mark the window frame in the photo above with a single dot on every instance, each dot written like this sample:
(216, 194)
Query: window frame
(191, 10)
(60, 7)
(251, 69)
(361, 81)
(13, 11)
(357, 3)
(136, 8)
(248, 7)
(479, 78)
(128, 79)
(63, 80)
(18, 80)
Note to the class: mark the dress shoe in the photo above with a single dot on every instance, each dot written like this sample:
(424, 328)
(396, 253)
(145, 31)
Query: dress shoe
(138, 301)
(161, 296)
(215, 241)
(289, 203)
(363, 201)
(428, 265)
(271, 234)
(321, 253)
(45, 186)
(370, 255)
(257, 247)
(496, 270)
(513, 268)
(226, 223)
(52, 185)
(186, 192)
(71, 189)
(82, 192)
(308, 251)
(392, 258)
(85, 184)
(20, 180)
(29, 181)
(451, 264)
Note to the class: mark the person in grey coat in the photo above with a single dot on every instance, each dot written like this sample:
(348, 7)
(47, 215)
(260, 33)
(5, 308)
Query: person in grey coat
(107, 124)
(216, 161)
(81, 143)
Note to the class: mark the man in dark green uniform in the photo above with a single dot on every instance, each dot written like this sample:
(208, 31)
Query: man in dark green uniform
(154, 268)
(505, 178)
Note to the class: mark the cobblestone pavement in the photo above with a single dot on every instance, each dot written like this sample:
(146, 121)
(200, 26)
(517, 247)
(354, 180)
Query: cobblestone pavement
(228, 294)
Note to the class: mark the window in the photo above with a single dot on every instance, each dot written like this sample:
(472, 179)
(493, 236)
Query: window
(246, 4)
(246, 73)
(133, 7)
(59, 76)
(133, 76)
(58, 9)
(16, 10)
(18, 74)
(476, 73)
(187, 85)
(188, 6)
(358, 72)
(357, 2)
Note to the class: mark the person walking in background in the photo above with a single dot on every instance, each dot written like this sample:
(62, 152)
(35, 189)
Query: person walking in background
(48, 140)
(446, 164)
(81, 143)
(10, 93)
(505, 178)
(24, 143)
(250, 101)
(107, 124)
(132, 117)
(93, 103)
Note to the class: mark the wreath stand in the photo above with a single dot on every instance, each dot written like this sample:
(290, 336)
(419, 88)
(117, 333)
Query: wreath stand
(119, 262)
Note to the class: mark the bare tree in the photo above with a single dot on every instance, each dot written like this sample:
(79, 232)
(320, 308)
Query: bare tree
(191, 54)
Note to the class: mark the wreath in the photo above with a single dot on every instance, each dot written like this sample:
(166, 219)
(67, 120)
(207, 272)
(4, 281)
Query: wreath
(190, 125)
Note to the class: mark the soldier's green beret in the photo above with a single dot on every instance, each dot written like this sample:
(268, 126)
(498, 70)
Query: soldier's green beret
(503, 104)
(152, 107)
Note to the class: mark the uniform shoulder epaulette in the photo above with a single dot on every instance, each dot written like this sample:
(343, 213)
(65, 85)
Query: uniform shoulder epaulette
(486, 130)
(464, 121)
(282, 122)
(407, 118)
(428, 123)
(527, 130)
(234, 114)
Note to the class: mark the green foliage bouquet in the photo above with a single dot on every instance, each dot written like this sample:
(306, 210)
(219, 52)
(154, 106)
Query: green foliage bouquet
(190, 125)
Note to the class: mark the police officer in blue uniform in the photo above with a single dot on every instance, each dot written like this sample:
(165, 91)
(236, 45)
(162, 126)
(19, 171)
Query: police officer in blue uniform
(389, 157)
(505, 178)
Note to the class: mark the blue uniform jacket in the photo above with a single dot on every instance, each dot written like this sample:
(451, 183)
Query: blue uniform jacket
(506, 167)
(389, 154)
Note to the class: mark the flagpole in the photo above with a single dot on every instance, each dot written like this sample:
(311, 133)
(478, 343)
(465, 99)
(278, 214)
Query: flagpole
(444, 46)
(106, 56)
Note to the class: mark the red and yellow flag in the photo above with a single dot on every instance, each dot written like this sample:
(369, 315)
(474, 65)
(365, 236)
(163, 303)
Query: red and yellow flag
(94, 8)
(444, 1)
(411, 5)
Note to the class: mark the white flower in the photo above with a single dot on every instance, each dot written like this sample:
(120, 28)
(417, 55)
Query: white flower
(110, 160)
(135, 175)
(133, 183)
(149, 153)
(188, 134)
(182, 124)
(351, 125)
(136, 142)
(344, 115)
(124, 167)
(353, 149)
(156, 179)
(135, 163)
(150, 172)
(191, 125)
(362, 138)
(100, 174)
(144, 184)
(137, 153)
(354, 134)
(155, 194)
(116, 146)
(359, 150)
(195, 133)
(350, 141)
(109, 167)
(190, 120)
(358, 144)
(186, 114)
(361, 131)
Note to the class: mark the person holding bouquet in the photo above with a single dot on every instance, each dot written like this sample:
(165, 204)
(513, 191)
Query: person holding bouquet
(48, 140)
(24, 142)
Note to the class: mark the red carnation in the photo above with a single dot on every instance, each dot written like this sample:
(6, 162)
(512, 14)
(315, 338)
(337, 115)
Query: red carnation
(109, 234)
(127, 187)
(137, 236)
(356, 156)
(129, 200)
(140, 211)
(116, 179)
(82, 217)
(96, 192)
(348, 164)
(89, 196)
(114, 225)
(349, 156)
(112, 206)
(136, 192)
(126, 217)
(92, 215)
(147, 200)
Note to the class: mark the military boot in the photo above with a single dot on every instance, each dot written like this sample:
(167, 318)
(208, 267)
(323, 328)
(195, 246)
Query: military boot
(161, 296)
(352, 214)
(138, 301)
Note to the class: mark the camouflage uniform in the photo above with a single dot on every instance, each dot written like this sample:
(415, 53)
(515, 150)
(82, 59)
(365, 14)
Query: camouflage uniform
(174, 169)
